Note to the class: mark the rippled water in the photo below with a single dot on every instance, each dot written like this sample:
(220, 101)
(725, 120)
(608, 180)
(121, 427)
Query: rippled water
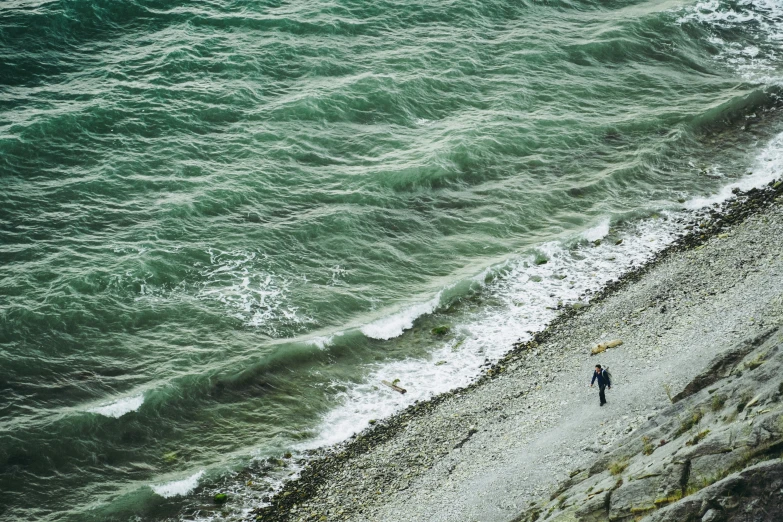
(223, 223)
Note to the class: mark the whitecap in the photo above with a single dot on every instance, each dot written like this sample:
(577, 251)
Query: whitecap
(177, 487)
(119, 407)
(600, 231)
(322, 342)
(395, 324)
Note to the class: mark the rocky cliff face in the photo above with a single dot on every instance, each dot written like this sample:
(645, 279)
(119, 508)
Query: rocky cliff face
(713, 455)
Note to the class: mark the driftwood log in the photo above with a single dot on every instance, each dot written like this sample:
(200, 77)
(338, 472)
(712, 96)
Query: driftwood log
(603, 346)
(394, 387)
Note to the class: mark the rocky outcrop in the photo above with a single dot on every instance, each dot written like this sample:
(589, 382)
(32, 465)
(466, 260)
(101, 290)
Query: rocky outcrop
(714, 455)
(721, 366)
(751, 494)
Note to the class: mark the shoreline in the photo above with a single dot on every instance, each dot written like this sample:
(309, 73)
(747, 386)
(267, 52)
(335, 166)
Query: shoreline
(302, 498)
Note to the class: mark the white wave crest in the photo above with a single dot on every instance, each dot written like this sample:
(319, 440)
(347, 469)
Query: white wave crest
(394, 325)
(322, 342)
(529, 297)
(600, 231)
(178, 487)
(119, 407)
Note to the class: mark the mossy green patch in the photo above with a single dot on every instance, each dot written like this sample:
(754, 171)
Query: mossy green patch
(647, 446)
(617, 467)
(440, 330)
(688, 422)
(170, 458)
(717, 402)
(697, 438)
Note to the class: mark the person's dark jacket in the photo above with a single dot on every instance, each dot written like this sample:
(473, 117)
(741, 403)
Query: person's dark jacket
(603, 379)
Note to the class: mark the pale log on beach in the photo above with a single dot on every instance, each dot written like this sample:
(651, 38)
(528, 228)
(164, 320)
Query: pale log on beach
(601, 347)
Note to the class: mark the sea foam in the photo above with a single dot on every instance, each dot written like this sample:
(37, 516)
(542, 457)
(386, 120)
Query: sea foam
(119, 407)
(597, 232)
(759, 19)
(242, 282)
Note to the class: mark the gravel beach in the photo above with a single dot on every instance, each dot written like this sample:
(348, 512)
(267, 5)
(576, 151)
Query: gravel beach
(485, 452)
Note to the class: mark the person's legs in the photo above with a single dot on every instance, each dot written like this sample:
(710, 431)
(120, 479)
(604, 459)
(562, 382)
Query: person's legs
(601, 394)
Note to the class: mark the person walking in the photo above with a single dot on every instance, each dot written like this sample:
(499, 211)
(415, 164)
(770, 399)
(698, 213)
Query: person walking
(603, 382)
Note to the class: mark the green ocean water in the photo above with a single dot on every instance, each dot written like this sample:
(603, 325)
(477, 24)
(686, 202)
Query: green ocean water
(222, 222)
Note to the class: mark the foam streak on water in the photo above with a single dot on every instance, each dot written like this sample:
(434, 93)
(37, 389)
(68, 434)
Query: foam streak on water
(258, 298)
(767, 168)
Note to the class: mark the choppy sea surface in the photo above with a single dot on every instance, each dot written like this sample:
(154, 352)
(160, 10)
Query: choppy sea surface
(223, 223)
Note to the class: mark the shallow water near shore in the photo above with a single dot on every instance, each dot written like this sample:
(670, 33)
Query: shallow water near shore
(222, 226)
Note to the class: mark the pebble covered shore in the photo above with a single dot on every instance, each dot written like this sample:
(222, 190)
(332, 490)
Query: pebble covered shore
(489, 451)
